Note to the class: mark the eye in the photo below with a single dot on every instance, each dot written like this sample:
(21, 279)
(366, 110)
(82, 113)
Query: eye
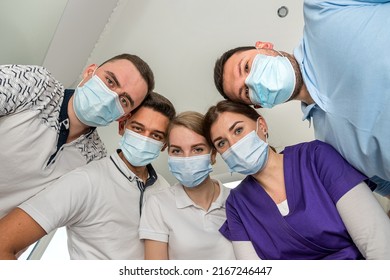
(246, 91)
(174, 151)
(238, 130)
(157, 136)
(220, 144)
(198, 150)
(136, 129)
(124, 101)
(110, 83)
(246, 67)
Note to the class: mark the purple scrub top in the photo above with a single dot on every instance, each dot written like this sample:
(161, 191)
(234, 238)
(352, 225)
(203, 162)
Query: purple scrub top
(316, 177)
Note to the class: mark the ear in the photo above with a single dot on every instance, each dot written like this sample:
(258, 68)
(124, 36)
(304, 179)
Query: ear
(262, 126)
(264, 45)
(89, 70)
(122, 123)
(213, 156)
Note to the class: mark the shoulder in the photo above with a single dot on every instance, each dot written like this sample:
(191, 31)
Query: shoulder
(30, 76)
(92, 147)
(161, 194)
(315, 147)
(161, 182)
(17, 69)
(160, 185)
(224, 191)
(241, 190)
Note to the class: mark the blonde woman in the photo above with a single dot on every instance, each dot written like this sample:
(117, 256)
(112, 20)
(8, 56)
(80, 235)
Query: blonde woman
(182, 222)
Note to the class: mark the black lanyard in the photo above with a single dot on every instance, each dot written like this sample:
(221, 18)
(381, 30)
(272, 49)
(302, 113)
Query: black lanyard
(140, 185)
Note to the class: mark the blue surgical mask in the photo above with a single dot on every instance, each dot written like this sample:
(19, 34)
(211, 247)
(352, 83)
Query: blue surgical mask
(248, 156)
(95, 104)
(271, 80)
(139, 150)
(190, 171)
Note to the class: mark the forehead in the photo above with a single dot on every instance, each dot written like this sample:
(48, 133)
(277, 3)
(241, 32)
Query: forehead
(129, 78)
(180, 135)
(233, 72)
(120, 64)
(225, 121)
(149, 118)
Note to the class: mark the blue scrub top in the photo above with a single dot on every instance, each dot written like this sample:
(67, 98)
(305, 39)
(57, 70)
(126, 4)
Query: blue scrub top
(345, 64)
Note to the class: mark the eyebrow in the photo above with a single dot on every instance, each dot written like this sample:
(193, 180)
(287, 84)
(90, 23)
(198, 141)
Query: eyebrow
(112, 75)
(239, 67)
(192, 146)
(128, 97)
(230, 129)
(160, 132)
(138, 123)
(234, 125)
(143, 126)
(240, 74)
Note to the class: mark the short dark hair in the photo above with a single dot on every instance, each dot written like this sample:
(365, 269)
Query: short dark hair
(220, 64)
(158, 103)
(141, 65)
(226, 106)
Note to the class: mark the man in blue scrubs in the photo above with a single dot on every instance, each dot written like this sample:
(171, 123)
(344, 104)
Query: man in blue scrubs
(341, 74)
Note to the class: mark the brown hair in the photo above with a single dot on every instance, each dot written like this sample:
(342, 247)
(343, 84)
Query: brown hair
(158, 103)
(141, 65)
(227, 106)
(220, 64)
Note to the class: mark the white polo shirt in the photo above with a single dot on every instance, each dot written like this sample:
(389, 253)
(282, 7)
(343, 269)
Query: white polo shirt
(191, 232)
(34, 126)
(99, 205)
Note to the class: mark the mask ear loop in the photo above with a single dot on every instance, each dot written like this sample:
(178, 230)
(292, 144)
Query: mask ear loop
(279, 53)
(93, 73)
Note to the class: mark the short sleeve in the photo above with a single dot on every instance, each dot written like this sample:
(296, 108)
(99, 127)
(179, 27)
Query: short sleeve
(233, 228)
(62, 203)
(152, 225)
(26, 86)
(336, 174)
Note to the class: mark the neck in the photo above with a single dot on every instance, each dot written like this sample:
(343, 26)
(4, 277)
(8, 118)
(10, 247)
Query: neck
(304, 95)
(271, 178)
(76, 128)
(140, 171)
(204, 194)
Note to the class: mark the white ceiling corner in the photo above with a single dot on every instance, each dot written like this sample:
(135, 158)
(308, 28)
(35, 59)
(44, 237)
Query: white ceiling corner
(78, 30)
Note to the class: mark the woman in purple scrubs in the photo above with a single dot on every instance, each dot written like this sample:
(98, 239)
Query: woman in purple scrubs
(304, 203)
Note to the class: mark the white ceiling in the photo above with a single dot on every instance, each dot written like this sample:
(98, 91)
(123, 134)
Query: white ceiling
(180, 39)
(27, 29)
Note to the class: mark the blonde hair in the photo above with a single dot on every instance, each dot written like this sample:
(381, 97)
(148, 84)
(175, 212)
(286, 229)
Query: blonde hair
(189, 119)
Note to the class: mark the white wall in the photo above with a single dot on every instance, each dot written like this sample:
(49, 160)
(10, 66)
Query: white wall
(26, 29)
(181, 39)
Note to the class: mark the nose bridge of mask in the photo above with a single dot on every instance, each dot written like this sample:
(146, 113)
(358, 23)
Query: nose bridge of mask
(271, 80)
(186, 160)
(93, 73)
(103, 96)
(139, 150)
(143, 141)
(190, 171)
(235, 148)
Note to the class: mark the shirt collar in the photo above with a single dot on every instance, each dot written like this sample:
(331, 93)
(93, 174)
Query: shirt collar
(307, 110)
(121, 165)
(183, 200)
